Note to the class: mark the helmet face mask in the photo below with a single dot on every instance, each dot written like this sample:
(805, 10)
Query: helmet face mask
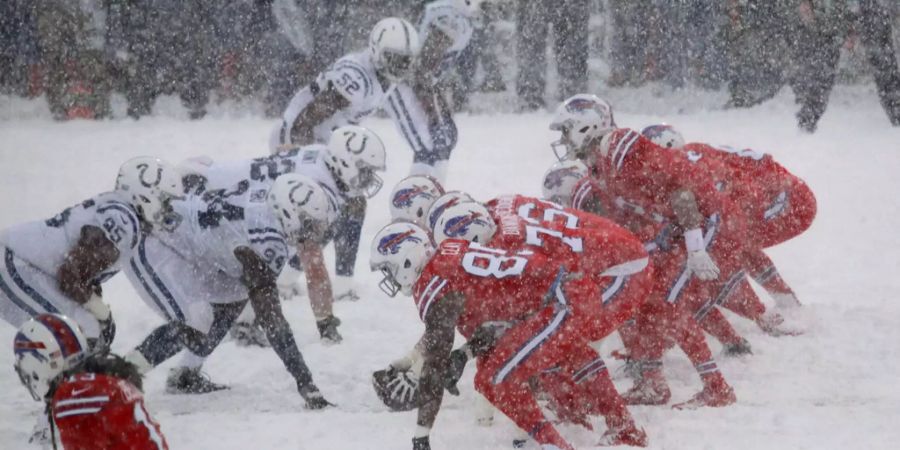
(400, 251)
(151, 184)
(580, 119)
(302, 207)
(397, 66)
(367, 181)
(394, 45)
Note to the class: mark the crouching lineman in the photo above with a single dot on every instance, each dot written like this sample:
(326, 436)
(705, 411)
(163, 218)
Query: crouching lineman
(549, 316)
(214, 253)
(92, 400)
(661, 197)
(779, 206)
(352, 88)
(346, 168)
(57, 265)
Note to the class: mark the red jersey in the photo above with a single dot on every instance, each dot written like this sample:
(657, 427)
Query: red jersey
(580, 241)
(499, 285)
(94, 411)
(643, 176)
(752, 180)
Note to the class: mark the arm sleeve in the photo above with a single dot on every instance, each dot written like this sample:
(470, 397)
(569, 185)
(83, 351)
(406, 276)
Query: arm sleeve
(93, 253)
(260, 282)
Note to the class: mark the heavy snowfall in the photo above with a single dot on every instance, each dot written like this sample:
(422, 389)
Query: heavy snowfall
(833, 386)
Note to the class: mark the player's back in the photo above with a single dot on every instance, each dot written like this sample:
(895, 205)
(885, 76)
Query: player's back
(580, 241)
(209, 227)
(646, 176)
(93, 411)
(498, 285)
(45, 243)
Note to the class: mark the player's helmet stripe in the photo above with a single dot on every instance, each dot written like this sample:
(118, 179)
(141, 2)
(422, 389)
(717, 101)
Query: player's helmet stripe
(63, 333)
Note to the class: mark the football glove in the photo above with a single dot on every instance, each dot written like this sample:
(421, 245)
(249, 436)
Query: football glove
(398, 390)
(421, 443)
(701, 264)
(314, 398)
(458, 360)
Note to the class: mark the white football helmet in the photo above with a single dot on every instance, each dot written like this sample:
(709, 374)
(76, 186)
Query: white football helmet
(664, 135)
(151, 184)
(45, 347)
(443, 202)
(400, 251)
(560, 180)
(302, 207)
(470, 8)
(412, 197)
(581, 119)
(469, 221)
(394, 44)
(354, 155)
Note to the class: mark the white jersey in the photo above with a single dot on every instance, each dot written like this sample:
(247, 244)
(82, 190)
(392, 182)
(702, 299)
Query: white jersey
(446, 17)
(45, 243)
(207, 229)
(353, 77)
(261, 172)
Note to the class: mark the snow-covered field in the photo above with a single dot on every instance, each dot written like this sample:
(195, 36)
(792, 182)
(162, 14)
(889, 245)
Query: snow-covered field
(837, 386)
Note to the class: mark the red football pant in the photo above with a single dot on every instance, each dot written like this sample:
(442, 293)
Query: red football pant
(540, 342)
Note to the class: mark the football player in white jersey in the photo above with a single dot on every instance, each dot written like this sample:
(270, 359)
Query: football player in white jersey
(213, 253)
(418, 108)
(57, 265)
(347, 169)
(349, 90)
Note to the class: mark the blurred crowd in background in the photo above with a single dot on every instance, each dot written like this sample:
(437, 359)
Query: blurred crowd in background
(77, 52)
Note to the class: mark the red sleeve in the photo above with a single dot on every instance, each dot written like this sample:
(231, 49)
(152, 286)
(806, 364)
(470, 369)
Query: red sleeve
(98, 411)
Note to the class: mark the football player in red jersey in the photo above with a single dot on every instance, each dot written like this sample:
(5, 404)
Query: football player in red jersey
(582, 241)
(663, 199)
(94, 401)
(779, 205)
(542, 310)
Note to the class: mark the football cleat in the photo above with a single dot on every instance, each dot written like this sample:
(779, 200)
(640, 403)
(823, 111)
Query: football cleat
(648, 391)
(714, 395)
(631, 436)
(737, 348)
(184, 380)
(328, 330)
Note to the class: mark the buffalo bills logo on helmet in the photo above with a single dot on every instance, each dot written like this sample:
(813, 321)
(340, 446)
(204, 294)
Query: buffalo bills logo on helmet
(390, 244)
(580, 104)
(404, 197)
(655, 131)
(23, 345)
(459, 225)
(436, 214)
(555, 179)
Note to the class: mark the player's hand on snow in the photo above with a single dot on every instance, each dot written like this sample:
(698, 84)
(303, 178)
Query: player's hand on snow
(701, 264)
(421, 443)
(458, 360)
(314, 398)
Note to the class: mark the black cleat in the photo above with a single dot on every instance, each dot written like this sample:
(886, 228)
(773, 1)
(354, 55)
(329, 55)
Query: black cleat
(183, 380)
(328, 330)
(737, 349)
